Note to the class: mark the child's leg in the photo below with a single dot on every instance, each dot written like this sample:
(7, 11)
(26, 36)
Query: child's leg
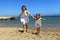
(38, 29)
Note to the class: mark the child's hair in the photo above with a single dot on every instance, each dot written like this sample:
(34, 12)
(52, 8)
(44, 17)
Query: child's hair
(22, 7)
(37, 15)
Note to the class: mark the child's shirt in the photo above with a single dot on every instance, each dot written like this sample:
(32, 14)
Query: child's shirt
(38, 22)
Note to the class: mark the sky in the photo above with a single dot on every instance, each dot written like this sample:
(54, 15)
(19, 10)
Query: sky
(44, 7)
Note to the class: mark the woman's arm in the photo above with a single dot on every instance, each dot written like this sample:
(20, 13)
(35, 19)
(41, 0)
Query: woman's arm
(42, 19)
(31, 15)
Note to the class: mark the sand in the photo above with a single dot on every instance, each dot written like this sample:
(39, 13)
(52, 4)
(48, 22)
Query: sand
(10, 33)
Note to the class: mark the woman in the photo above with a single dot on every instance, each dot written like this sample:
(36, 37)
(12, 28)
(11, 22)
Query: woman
(24, 18)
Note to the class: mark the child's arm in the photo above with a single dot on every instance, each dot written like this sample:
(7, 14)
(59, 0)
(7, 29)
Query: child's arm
(43, 19)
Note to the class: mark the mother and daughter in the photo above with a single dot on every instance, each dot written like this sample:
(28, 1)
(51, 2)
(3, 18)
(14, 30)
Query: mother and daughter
(25, 19)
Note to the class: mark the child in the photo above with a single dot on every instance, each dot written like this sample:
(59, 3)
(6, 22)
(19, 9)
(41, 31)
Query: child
(38, 23)
(24, 18)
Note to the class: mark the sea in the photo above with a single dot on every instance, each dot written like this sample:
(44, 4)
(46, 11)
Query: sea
(49, 22)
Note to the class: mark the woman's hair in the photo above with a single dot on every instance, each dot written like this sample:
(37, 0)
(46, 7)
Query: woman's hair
(22, 7)
(37, 15)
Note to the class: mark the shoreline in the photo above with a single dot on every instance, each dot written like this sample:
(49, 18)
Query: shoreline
(47, 28)
(41, 29)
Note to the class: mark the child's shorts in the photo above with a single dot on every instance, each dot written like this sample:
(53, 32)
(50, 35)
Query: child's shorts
(37, 25)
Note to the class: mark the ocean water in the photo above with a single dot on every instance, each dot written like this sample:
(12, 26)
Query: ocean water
(51, 21)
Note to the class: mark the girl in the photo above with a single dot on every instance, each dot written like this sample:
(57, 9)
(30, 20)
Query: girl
(37, 23)
(24, 18)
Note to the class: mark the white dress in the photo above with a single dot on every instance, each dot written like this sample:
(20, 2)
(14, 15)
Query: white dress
(24, 16)
(38, 22)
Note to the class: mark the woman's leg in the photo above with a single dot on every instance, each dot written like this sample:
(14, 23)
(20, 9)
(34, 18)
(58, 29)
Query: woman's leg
(23, 24)
(26, 27)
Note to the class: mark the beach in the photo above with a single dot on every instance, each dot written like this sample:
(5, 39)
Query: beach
(10, 33)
